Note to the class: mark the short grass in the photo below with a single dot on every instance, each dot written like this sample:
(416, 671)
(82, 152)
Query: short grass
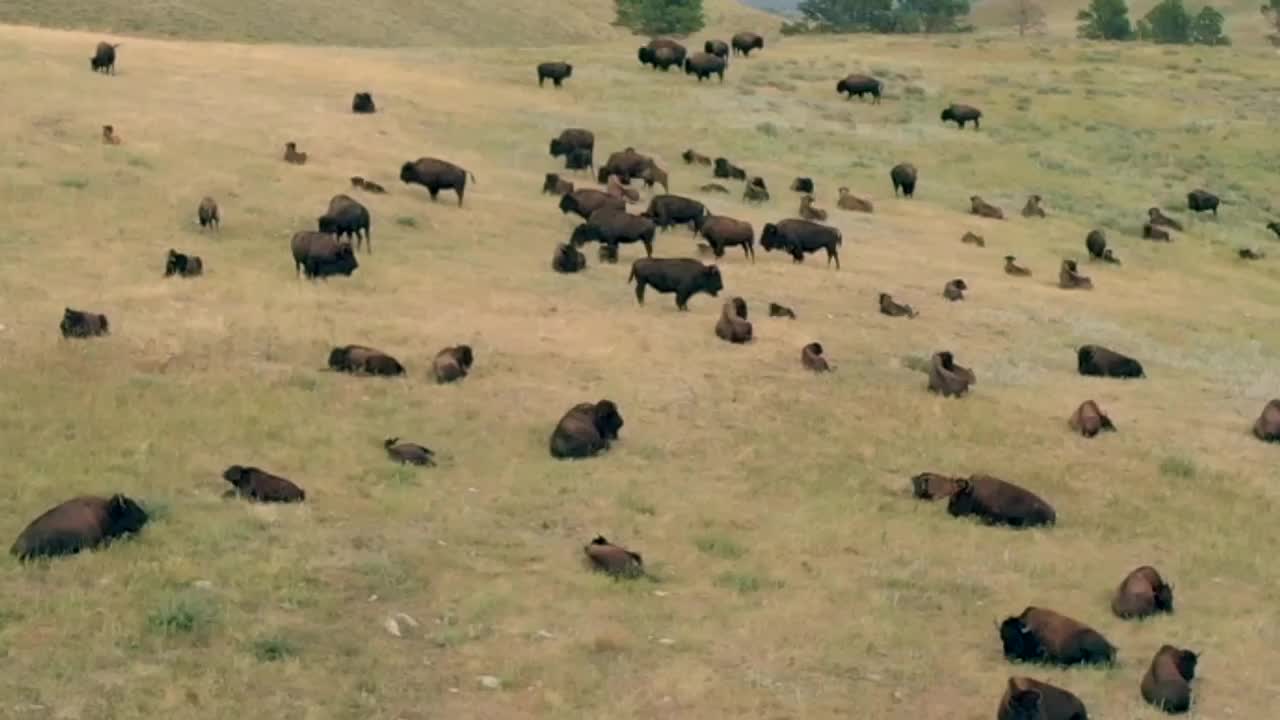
(793, 574)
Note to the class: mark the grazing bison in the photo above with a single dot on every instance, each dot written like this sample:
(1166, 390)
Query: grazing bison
(555, 185)
(348, 217)
(208, 214)
(1032, 208)
(618, 190)
(1027, 699)
(683, 276)
(894, 309)
(719, 48)
(808, 212)
(704, 65)
(409, 453)
(853, 203)
(744, 42)
(182, 265)
(733, 325)
(1202, 201)
(362, 103)
(861, 85)
(1159, 219)
(1250, 254)
(568, 259)
(776, 310)
(556, 72)
(798, 237)
(961, 114)
(586, 201)
(612, 559)
(997, 502)
(571, 139)
(292, 156)
(358, 359)
(722, 232)
(80, 324)
(1098, 361)
(669, 210)
(692, 157)
(1267, 426)
(320, 255)
(812, 358)
(104, 58)
(1167, 684)
(586, 430)
(612, 227)
(755, 191)
(81, 523)
(1089, 420)
(982, 208)
(1151, 232)
(109, 136)
(1096, 243)
(1069, 277)
(947, 378)
(970, 238)
(1042, 635)
(452, 363)
(802, 185)
(1141, 594)
(714, 188)
(1011, 267)
(257, 484)
(725, 169)
(436, 175)
(904, 177)
(954, 289)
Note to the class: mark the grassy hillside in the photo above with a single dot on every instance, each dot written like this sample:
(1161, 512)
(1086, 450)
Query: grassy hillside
(797, 577)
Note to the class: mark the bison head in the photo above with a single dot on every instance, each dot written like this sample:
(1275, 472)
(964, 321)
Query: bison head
(175, 263)
(740, 307)
(931, 486)
(238, 475)
(557, 148)
(607, 420)
(948, 114)
(568, 203)
(408, 173)
(1164, 597)
(711, 280)
(840, 86)
(464, 356)
(1186, 661)
(1024, 704)
(327, 224)
(583, 234)
(645, 54)
(124, 516)
(1018, 640)
(344, 260)
(769, 237)
(338, 359)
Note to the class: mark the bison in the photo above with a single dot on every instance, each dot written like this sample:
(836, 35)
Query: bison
(436, 175)
(683, 276)
(996, 502)
(1069, 277)
(954, 289)
(568, 259)
(81, 324)
(802, 185)
(861, 85)
(692, 157)
(452, 363)
(1096, 243)
(555, 185)
(109, 136)
(933, 486)
(1089, 420)
(904, 177)
(1159, 219)
(362, 104)
(798, 237)
(779, 311)
(1202, 201)
(1011, 267)
(208, 214)
(571, 139)
(719, 48)
(894, 309)
(669, 210)
(1042, 635)
(1250, 254)
(947, 378)
(618, 190)
(704, 65)
(725, 169)
(1141, 594)
(961, 114)
(292, 156)
(1098, 361)
(662, 53)
(626, 164)
(808, 212)
(262, 486)
(1267, 427)
(361, 360)
(586, 201)
(556, 72)
(744, 42)
(1032, 208)
(104, 58)
(409, 453)
(1027, 699)
(1152, 232)
(612, 226)
(812, 357)
(370, 186)
(1167, 684)
(612, 559)
(348, 217)
(81, 523)
(970, 238)
(321, 255)
(755, 191)
(982, 208)
(182, 265)
(853, 203)
(654, 174)
(722, 232)
(733, 325)
(586, 430)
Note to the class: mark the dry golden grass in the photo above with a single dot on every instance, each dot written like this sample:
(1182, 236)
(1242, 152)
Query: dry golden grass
(797, 578)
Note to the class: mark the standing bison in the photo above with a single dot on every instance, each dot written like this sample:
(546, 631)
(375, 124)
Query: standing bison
(585, 201)
(722, 232)
(556, 72)
(798, 237)
(104, 58)
(576, 145)
(704, 65)
(744, 42)
(346, 216)
(669, 210)
(81, 324)
(662, 53)
(436, 175)
(320, 255)
(961, 114)
(612, 226)
(626, 164)
(80, 523)
(682, 276)
(362, 104)
(904, 176)
(861, 85)
(208, 214)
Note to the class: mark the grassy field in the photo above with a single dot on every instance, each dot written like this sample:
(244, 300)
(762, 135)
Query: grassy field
(796, 576)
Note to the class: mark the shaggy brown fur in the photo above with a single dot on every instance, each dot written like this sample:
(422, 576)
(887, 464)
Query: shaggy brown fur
(586, 430)
(1250, 254)
(291, 154)
(722, 232)
(452, 363)
(894, 309)
(853, 203)
(109, 135)
(998, 502)
(363, 360)
(1042, 635)
(80, 523)
(409, 453)
(208, 213)
(262, 486)
(1267, 426)
(1089, 420)
(972, 239)
(612, 559)
(732, 325)
(947, 378)
(981, 208)
(812, 358)
(81, 324)
(954, 289)
(1157, 218)
(1013, 268)
(1151, 232)
(692, 157)
(1069, 277)
(1028, 699)
(933, 486)
(1167, 684)
(808, 211)
(1032, 208)
(1141, 594)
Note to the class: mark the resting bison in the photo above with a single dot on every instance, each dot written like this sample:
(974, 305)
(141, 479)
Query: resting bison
(692, 157)
(109, 136)
(808, 212)
(1267, 426)
(292, 156)
(853, 203)
(586, 201)
(81, 523)
(1069, 277)
(997, 502)
(1151, 232)
(970, 238)
(568, 259)
(1098, 361)
(436, 175)
(346, 216)
(954, 289)
(733, 325)
(256, 484)
(1042, 635)
(1032, 208)
(358, 359)
(893, 309)
(662, 53)
(452, 363)
(961, 114)
(80, 324)
(812, 358)
(744, 42)
(362, 103)
(612, 227)
(798, 237)
(1141, 594)
(981, 208)
(903, 176)
(572, 139)
(719, 48)
(409, 453)
(554, 185)
(725, 169)
(1167, 684)
(860, 85)
(704, 65)
(1027, 699)
(1202, 201)
(104, 58)
(668, 210)
(755, 192)
(208, 214)
(556, 72)
(1089, 420)
(320, 255)
(682, 276)
(1011, 267)
(182, 265)
(947, 378)
(586, 430)
(722, 232)
(802, 185)
(612, 559)
(1096, 243)
(776, 310)
(1159, 219)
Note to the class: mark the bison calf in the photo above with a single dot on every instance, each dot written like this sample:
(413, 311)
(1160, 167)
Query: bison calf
(1011, 267)
(683, 276)
(177, 263)
(1069, 277)
(568, 259)
(1042, 635)
(1098, 361)
(1141, 594)
(809, 212)
(586, 430)
(554, 185)
(80, 324)
(776, 310)
(733, 325)
(81, 523)
(1167, 684)
(262, 486)
(358, 359)
(452, 363)
(109, 135)
(954, 289)
(982, 208)
(1032, 208)
(1151, 232)
(612, 559)
(970, 238)
(292, 156)
(693, 157)
(1089, 420)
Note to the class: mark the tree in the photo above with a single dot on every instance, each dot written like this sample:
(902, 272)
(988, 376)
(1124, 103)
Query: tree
(1105, 20)
(1206, 27)
(1166, 23)
(660, 17)
(1028, 15)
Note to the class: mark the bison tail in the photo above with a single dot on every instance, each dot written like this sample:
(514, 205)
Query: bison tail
(473, 176)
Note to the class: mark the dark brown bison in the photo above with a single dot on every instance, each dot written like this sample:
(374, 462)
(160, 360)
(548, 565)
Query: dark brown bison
(81, 523)
(1011, 267)
(1250, 254)
(1167, 684)
(1069, 277)
(1267, 426)
(556, 72)
(853, 203)
(662, 53)
(555, 185)
(1159, 219)
(812, 357)
(947, 378)
(1141, 594)
(571, 139)
(860, 85)
(182, 265)
(802, 185)
(1096, 243)
(722, 232)
(733, 325)
(997, 502)
(904, 177)
(670, 210)
(409, 453)
(585, 201)
(104, 58)
(1151, 232)
(208, 214)
(692, 157)
(568, 259)
(1044, 636)
(1202, 201)
(970, 238)
(346, 216)
(779, 311)
(436, 175)
(982, 208)
(1032, 208)
(80, 324)
(320, 255)
(361, 360)
(961, 114)
(798, 237)
(1089, 420)
(1027, 699)
(452, 363)
(586, 430)
(612, 559)
(579, 159)
(725, 169)
(755, 191)
(262, 486)
(292, 156)
(1098, 361)
(626, 164)
(612, 226)
(744, 42)
(683, 276)
(954, 289)
(894, 309)
(808, 212)
(362, 103)
(719, 48)
(704, 65)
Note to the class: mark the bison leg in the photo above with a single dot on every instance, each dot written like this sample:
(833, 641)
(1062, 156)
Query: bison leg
(749, 251)
(640, 290)
(648, 247)
(833, 254)
(434, 192)
(976, 124)
(682, 300)
(461, 190)
(557, 81)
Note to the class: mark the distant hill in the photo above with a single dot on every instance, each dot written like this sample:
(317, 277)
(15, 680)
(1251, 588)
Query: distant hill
(776, 6)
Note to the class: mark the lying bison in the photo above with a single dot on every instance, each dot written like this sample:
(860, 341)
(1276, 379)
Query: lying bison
(904, 176)
(292, 155)
(436, 175)
(961, 114)
(982, 208)
(781, 311)
(362, 104)
(182, 265)
(452, 363)
(1028, 699)
(80, 324)
(104, 58)
(321, 255)
(612, 559)
(611, 226)
(704, 65)
(722, 232)
(1098, 361)
(568, 259)
(1032, 208)
(954, 289)
(947, 378)
(798, 237)
(813, 357)
(1141, 594)
(725, 169)
(361, 360)
(888, 306)
(1089, 420)
(853, 203)
(807, 211)
(1202, 201)
(682, 276)
(257, 484)
(1159, 219)
(860, 85)
(1153, 232)
(1167, 684)
(693, 157)
(346, 216)
(1042, 635)
(1267, 427)
(670, 210)
(586, 430)
(733, 325)
(208, 214)
(744, 42)
(586, 201)
(1011, 267)
(556, 72)
(1069, 277)
(81, 523)
(997, 502)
